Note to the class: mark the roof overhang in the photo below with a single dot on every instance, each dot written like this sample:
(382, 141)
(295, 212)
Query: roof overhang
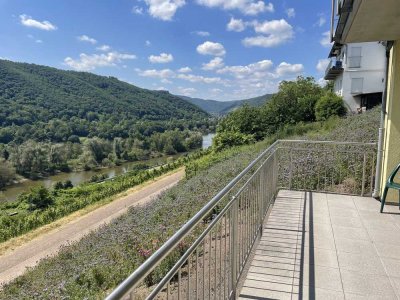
(369, 20)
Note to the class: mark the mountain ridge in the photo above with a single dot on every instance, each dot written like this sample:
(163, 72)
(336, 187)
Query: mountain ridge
(220, 108)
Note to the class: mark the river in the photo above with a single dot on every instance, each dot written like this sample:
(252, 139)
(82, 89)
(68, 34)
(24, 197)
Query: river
(12, 192)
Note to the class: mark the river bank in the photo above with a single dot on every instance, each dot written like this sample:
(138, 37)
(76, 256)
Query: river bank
(11, 192)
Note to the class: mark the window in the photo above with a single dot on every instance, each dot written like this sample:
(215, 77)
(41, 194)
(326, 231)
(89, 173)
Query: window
(357, 85)
(354, 58)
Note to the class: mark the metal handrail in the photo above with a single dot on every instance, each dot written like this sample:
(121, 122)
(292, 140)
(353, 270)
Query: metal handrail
(262, 203)
(135, 278)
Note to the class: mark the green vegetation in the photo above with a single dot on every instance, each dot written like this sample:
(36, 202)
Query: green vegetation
(297, 101)
(220, 108)
(329, 105)
(101, 260)
(41, 206)
(53, 120)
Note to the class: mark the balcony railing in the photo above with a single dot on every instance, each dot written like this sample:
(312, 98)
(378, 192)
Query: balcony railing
(334, 69)
(205, 258)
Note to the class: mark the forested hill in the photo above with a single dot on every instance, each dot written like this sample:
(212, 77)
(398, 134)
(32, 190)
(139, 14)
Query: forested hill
(224, 107)
(52, 104)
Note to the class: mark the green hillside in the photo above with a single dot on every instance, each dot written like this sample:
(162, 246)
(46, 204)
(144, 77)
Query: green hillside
(52, 104)
(215, 107)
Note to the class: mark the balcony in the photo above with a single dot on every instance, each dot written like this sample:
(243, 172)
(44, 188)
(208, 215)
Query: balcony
(298, 222)
(333, 70)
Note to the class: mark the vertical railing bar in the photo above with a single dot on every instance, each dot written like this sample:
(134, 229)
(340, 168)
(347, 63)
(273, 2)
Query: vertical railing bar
(168, 289)
(179, 283)
(225, 255)
(290, 170)
(363, 174)
(204, 268)
(188, 276)
(209, 266)
(372, 173)
(215, 263)
(220, 261)
(197, 272)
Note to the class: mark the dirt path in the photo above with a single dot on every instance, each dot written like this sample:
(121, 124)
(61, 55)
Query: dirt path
(14, 262)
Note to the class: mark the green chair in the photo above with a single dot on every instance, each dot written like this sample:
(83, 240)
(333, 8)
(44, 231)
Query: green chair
(390, 184)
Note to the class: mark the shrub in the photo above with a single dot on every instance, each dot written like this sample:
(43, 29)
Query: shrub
(231, 138)
(39, 198)
(329, 105)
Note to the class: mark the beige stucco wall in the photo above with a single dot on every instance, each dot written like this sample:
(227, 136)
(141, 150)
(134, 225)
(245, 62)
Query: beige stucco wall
(391, 148)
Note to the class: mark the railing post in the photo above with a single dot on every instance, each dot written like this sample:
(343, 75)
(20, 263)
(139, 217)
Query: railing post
(363, 175)
(234, 262)
(290, 169)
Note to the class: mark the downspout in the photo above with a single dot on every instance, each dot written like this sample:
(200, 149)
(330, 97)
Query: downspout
(381, 132)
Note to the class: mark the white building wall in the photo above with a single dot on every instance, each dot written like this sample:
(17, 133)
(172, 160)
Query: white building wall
(371, 70)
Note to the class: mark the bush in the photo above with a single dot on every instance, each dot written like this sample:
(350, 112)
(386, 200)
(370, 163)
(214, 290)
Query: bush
(39, 198)
(329, 105)
(231, 138)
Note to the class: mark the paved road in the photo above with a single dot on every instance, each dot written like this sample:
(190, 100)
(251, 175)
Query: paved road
(14, 263)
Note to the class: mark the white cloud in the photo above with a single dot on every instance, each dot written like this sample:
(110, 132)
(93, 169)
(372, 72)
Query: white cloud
(43, 25)
(137, 10)
(164, 73)
(90, 62)
(186, 91)
(321, 20)
(85, 38)
(202, 33)
(211, 48)
(185, 70)
(39, 41)
(165, 80)
(236, 25)
(322, 64)
(291, 13)
(147, 43)
(216, 91)
(164, 9)
(274, 33)
(285, 68)
(322, 82)
(215, 63)
(104, 48)
(326, 39)
(255, 69)
(198, 78)
(247, 7)
(161, 59)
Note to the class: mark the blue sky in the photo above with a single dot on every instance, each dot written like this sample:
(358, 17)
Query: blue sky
(213, 49)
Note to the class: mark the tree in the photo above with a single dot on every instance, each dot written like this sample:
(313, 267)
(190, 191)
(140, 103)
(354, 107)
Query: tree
(39, 198)
(329, 105)
(7, 173)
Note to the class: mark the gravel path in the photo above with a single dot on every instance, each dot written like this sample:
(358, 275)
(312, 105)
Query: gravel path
(14, 262)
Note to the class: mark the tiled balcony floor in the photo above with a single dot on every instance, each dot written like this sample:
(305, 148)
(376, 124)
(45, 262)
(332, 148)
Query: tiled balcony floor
(325, 246)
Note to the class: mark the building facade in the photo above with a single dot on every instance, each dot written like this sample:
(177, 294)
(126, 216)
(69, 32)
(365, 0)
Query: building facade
(372, 21)
(358, 72)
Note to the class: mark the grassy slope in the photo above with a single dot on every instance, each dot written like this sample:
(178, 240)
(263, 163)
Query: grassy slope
(93, 266)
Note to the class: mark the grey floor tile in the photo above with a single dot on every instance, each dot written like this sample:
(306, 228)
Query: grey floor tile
(252, 293)
(387, 250)
(392, 266)
(347, 222)
(322, 277)
(320, 257)
(310, 292)
(354, 246)
(367, 285)
(361, 262)
(356, 233)
(385, 236)
(396, 284)
(340, 212)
